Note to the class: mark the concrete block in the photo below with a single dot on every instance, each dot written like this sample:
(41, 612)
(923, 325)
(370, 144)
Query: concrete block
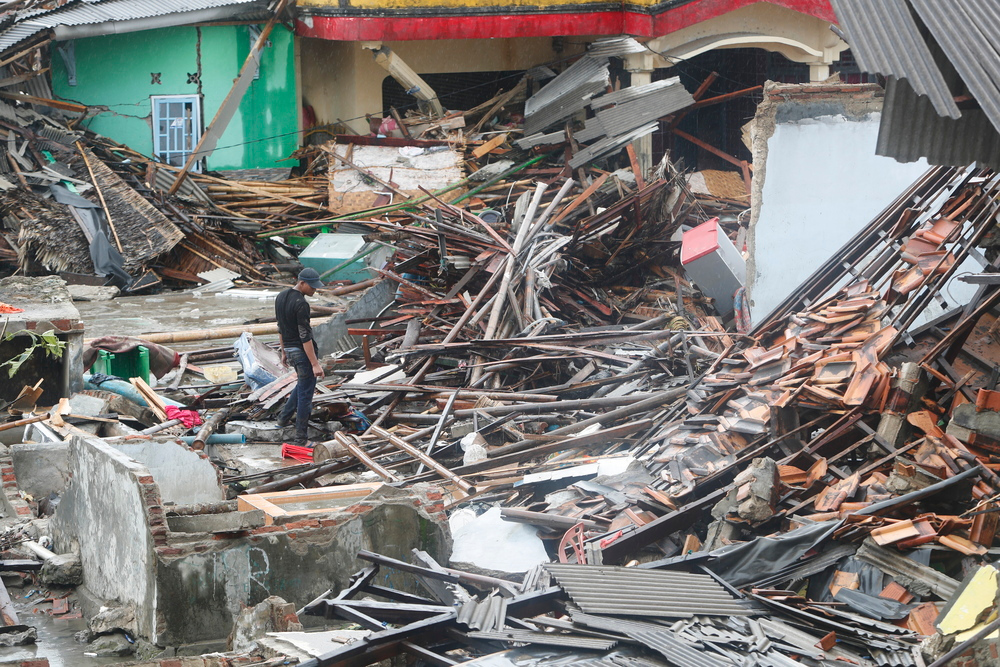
(93, 292)
(62, 570)
(41, 469)
(228, 522)
(272, 615)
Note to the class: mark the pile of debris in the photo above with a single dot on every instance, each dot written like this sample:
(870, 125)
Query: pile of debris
(79, 204)
(531, 344)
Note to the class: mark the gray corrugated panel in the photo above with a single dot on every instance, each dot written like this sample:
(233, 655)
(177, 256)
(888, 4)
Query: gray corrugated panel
(674, 650)
(615, 46)
(633, 92)
(923, 579)
(541, 139)
(163, 180)
(546, 638)
(656, 637)
(56, 134)
(19, 33)
(628, 116)
(566, 94)
(893, 658)
(885, 38)
(609, 145)
(911, 129)
(631, 592)
(967, 31)
(104, 12)
(592, 129)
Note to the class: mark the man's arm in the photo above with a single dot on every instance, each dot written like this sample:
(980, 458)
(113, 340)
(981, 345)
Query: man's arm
(305, 335)
(310, 351)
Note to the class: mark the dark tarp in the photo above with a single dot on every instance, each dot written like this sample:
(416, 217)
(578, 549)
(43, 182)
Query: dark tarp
(106, 258)
(742, 564)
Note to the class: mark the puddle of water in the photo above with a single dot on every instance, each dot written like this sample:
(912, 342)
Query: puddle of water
(55, 637)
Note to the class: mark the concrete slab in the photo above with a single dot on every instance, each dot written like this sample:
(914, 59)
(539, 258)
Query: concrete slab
(41, 469)
(307, 645)
(228, 522)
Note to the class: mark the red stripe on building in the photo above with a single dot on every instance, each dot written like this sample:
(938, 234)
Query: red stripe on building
(548, 24)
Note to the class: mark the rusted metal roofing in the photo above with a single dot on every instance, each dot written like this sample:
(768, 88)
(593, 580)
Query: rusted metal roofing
(631, 592)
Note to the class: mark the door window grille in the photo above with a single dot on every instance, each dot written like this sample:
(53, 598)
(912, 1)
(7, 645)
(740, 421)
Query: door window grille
(176, 128)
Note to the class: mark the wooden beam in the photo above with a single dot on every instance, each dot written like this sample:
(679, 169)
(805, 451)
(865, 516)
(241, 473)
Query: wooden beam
(210, 138)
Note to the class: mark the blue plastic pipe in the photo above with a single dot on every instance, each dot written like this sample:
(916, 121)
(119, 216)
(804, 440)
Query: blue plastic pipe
(217, 439)
(123, 388)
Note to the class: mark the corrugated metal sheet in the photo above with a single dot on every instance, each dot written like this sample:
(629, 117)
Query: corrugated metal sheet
(628, 116)
(566, 94)
(632, 93)
(966, 30)
(546, 639)
(911, 129)
(487, 615)
(656, 637)
(631, 592)
(893, 658)
(615, 46)
(885, 38)
(104, 11)
(608, 145)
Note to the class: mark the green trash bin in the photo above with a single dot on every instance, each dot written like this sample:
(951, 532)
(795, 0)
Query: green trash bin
(124, 365)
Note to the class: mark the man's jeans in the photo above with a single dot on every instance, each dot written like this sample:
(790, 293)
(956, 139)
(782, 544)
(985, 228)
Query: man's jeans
(300, 400)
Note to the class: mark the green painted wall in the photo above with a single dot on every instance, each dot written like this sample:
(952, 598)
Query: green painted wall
(115, 71)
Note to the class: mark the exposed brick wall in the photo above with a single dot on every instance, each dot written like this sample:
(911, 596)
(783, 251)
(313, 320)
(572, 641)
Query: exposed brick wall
(11, 491)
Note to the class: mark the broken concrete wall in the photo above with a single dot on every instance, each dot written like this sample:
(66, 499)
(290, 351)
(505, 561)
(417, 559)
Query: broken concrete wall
(185, 587)
(109, 513)
(816, 182)
(184, 476)
(204, 581)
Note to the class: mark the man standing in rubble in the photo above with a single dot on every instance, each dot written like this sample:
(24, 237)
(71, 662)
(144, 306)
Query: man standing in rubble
(299, 350)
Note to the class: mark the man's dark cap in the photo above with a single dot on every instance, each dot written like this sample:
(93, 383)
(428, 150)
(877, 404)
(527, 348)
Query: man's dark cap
(311, 276)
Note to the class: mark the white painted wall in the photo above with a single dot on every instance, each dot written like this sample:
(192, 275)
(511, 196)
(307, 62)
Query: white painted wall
(104, 512)
(823, 184)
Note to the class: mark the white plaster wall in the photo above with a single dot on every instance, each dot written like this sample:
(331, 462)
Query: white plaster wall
(823, 184)
(104, 511)
(184, 477)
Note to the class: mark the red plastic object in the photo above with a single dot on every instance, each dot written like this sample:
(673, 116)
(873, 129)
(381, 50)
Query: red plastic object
(607, 541)
(296, 452)
(700, 241)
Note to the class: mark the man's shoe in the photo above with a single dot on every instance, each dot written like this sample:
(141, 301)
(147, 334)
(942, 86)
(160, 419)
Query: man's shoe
(285, 421)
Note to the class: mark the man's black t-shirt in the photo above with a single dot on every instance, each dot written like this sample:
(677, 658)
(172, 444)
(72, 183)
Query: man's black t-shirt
(292, 311)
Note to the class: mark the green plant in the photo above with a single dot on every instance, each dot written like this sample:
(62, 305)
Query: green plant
(48, 342)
